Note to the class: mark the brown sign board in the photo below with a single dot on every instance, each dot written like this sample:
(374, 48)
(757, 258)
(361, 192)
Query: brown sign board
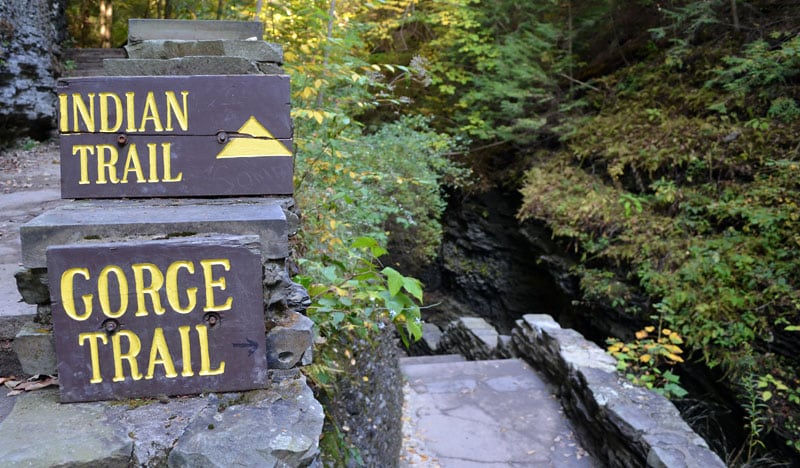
(153, 318)
(175, 136)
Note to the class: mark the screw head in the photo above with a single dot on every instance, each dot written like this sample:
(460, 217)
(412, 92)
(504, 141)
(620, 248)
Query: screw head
(222, 137)
(211, 319)
(122, 139)
(110, 326)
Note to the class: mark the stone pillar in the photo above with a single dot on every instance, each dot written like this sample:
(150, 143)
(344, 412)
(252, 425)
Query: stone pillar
(31, 33)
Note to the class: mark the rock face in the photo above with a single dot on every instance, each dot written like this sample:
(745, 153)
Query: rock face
(368, 402)
(30, 36)
(491, 265)
(279, 426)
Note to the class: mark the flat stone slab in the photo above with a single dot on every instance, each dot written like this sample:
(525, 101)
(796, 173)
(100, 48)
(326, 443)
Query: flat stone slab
(275, 427)
(259, 51)
(485, 413)
(192, 30)
(13, 312)
(432, 359)
(109, 220)
(201, 65)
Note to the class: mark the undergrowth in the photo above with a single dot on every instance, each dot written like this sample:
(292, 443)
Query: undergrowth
(682, 186)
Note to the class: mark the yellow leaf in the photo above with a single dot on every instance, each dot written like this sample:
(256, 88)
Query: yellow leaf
(650, 329)
(645, 358)
(675, 357)
(318, 83)
(332, 223)
(666, 331)
(641, 334)
(319, 116)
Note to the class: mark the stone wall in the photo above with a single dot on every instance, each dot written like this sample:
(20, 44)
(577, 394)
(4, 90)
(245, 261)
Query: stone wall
(627, 426)
(31, 32)
(621, 424)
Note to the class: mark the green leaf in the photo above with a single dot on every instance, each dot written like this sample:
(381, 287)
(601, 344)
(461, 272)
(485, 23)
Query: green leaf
(364, 242)
(329, 273)
(395, 280)
(766, 395)
(413, 286)
(414, 329)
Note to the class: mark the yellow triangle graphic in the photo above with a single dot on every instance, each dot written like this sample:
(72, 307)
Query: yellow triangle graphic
(242, 147)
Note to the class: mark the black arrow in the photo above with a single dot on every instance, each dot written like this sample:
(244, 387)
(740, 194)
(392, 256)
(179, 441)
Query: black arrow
(251, 345)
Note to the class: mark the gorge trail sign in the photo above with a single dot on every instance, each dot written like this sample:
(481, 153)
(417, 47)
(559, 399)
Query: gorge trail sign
(164, 317)
(175, 136)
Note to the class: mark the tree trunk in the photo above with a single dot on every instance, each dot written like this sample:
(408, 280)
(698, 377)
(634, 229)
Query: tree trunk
(735, 15)
(106, 17)
(31, 33)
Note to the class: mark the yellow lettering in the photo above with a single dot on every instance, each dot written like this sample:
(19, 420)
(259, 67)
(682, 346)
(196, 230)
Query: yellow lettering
(104, 120)
(132, 164)
(186, 351)
(212, 283)
(68, 297)
(181, 112)
(130, 117)
(134, 346)
(156, 283)
(93, 337)
(150, 113)
(159, 354)
(103, 293)
(205, 361)
(110, 164)
(172, 287)
(82, 151)
(152, 152)
(86, 114)
(165, 157)
(63, 113)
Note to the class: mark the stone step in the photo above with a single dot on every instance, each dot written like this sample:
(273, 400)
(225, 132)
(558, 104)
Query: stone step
(109, 220)
(432, 359)
(89, 62)
(192, 30)
(485, 413)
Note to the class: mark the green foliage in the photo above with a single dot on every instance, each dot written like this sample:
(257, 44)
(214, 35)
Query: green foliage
(647, 360)
(680, 197)
(355, 295)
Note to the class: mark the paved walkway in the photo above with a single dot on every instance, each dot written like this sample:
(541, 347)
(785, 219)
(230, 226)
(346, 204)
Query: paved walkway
(483, 414)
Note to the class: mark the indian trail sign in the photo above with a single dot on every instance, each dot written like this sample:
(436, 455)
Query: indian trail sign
(175, 136)
(166, 317)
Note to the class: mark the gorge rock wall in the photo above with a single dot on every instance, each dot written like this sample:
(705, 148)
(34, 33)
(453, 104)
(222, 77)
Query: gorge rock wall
(491, 264)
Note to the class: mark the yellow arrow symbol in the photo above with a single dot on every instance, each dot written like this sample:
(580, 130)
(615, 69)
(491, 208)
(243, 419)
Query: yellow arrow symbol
(264, 145)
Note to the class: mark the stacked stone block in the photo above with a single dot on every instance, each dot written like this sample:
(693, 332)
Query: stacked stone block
(279, 426)
(178, 48)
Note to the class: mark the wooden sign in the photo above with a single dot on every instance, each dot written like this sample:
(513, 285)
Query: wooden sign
(153, 318)
(175, 136)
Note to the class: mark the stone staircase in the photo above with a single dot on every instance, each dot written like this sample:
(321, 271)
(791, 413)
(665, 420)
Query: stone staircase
(500, 412)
